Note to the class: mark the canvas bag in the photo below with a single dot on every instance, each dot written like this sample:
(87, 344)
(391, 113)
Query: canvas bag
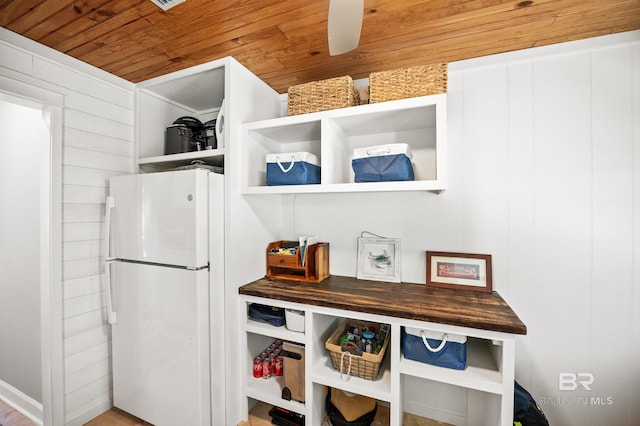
(293, 168)
(383, 163)
(269, 314)
(526, 411)
(431, 347)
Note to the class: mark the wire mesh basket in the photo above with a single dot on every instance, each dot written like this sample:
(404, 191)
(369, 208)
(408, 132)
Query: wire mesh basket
(366, 365)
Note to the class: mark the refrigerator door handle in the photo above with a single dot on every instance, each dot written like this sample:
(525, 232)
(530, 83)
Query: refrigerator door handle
(110, 204)
(111, 313)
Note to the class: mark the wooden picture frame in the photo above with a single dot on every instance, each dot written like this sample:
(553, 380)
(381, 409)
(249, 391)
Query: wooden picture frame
(463, 271)
(379, 259)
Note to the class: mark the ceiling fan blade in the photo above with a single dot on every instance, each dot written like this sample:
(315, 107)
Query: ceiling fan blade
(345, 23)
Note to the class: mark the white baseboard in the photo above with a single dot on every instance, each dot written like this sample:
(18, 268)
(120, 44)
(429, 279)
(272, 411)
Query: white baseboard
(21, 402)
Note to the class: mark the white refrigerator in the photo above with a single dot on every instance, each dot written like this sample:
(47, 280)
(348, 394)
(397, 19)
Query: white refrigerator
(164, 275)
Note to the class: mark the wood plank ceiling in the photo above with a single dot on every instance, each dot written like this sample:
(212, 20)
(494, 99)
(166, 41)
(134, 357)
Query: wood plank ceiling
(285, 42)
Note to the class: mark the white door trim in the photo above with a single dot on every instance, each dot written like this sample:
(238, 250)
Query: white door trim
(51, 104)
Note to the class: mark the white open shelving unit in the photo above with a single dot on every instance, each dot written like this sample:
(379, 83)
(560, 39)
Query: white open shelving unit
(196, 92)
(489, 374)
(333, 135)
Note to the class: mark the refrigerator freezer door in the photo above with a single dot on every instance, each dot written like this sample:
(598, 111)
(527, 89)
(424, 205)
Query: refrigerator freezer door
(161, 218)
(161, 344)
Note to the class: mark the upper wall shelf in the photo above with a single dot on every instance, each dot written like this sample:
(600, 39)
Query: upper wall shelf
(332, 135)
(196, 92)
(213, 157)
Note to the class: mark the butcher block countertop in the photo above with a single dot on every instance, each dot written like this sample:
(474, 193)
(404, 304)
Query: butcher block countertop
(486, 311)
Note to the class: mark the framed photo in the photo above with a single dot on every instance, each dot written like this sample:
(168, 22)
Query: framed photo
(459, 270)
(379, 259)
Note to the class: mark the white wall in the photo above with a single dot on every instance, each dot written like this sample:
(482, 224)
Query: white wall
(98, 143)
(24, 136)
(544, 175)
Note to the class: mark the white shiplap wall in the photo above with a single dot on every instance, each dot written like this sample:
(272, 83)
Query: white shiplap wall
(97, 144)
(544, 174)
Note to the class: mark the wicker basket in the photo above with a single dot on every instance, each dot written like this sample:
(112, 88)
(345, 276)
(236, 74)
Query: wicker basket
(366, 365)
(338, 92)
(408, 83)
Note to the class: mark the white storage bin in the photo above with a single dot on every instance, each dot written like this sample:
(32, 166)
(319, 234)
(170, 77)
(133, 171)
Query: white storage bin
(294, 320)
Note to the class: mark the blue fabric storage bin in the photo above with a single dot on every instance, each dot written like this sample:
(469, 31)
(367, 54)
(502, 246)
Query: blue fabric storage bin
(269, 314)
(441, 349)
(383, 163)
(292, 168)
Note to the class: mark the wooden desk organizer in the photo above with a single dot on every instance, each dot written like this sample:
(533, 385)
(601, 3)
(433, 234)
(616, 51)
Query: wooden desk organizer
(289, 266)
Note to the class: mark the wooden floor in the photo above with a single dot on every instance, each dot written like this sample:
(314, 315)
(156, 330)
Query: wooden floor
(259, 417)
(11, 417)
(116, 417)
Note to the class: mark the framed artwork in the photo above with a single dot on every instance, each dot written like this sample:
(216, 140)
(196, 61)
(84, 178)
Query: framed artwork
(379, 259)
(459, 270)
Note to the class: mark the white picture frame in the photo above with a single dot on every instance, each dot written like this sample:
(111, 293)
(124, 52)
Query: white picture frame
(379, 259)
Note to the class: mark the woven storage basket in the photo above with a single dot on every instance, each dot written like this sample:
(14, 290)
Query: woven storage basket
(408, 83)
(338, 92)
(366, 365)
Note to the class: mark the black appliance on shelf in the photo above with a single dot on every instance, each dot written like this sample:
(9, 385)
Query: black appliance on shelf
(184, 135)
(209, 135)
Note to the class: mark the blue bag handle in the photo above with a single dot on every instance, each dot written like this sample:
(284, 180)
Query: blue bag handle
(293, 159)
(426, 343)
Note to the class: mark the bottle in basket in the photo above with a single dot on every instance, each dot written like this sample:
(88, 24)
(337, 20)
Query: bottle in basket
(368, 342)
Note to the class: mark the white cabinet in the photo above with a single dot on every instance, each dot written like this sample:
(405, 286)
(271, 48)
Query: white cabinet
(197, 92)
(487, 379)
(332, 135)
(200, 92)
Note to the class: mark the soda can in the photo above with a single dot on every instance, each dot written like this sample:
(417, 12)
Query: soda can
(257, 367)
(278, 366)
(266, 369)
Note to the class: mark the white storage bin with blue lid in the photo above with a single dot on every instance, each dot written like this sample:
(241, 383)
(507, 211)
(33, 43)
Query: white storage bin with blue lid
(293, 168)
(382, 163)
